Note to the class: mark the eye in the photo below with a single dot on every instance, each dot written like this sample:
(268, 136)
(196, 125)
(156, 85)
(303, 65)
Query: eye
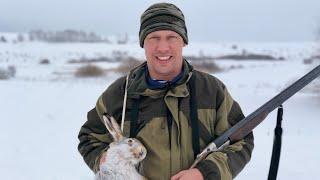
(173, 37)
(130, 141)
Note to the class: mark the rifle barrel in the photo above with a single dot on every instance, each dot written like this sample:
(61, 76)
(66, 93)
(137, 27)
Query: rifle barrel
(247, 124)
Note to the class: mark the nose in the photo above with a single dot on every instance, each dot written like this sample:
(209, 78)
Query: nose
(141, 153)
(163, 46)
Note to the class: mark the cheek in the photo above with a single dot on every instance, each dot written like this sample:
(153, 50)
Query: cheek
(149, 49)
(148, 53)
(126, 151)
(176, 49)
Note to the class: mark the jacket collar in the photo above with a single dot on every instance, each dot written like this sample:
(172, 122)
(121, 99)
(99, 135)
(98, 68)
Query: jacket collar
(138, 86)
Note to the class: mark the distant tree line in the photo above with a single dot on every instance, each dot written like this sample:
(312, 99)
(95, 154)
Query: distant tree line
(65, 36)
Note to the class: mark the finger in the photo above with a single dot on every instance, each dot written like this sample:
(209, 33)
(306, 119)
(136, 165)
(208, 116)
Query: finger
(177, 176)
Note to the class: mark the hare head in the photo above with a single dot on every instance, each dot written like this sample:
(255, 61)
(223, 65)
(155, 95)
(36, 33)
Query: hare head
(130, 149)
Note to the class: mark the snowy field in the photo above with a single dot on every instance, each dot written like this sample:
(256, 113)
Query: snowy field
(42, 110)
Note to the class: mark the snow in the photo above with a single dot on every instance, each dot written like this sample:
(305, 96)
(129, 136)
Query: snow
(42, 111)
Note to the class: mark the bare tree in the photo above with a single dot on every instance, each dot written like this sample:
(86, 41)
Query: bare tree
(3, 39)
(20, 38)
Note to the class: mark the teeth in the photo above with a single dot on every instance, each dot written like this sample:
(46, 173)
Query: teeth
(164, 57)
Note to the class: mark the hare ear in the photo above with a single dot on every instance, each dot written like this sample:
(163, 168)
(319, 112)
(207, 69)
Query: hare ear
(113, 127)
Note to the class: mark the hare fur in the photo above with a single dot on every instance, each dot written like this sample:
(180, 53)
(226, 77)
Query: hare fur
(122, 156)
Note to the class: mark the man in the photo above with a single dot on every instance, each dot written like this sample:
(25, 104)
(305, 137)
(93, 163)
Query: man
(174, 110)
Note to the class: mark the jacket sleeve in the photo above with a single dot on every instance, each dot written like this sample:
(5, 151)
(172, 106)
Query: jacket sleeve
(93, 138)
(226, 164)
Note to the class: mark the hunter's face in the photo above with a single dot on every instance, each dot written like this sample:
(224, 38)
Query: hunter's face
(163, 50)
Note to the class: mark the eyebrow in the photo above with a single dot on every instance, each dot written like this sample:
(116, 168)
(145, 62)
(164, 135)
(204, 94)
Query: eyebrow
(154, 36)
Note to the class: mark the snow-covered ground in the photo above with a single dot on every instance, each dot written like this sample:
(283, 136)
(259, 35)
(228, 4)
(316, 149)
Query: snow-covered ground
(42, 111)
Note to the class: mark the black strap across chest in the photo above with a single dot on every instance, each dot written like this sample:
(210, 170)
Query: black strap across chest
(134, 118)
(194, 118)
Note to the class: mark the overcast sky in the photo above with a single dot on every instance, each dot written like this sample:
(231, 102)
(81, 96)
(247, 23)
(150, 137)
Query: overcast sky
(207, 20)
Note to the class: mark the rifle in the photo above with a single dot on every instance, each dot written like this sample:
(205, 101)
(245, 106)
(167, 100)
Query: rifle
(247, 124)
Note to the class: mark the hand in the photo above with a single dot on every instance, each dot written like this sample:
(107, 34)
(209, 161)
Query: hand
(190, 174)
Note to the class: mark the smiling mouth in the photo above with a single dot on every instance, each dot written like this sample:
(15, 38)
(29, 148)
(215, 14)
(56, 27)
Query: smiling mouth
(163, 58)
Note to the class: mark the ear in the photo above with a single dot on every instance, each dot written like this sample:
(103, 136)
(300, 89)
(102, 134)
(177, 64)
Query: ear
(113, 127)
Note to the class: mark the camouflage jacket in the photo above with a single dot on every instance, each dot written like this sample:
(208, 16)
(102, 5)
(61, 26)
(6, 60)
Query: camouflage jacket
(169, 153)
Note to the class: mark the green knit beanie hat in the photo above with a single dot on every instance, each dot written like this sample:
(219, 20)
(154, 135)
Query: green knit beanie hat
(162, 16)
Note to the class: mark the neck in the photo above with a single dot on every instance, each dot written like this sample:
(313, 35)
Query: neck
(165, 77)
